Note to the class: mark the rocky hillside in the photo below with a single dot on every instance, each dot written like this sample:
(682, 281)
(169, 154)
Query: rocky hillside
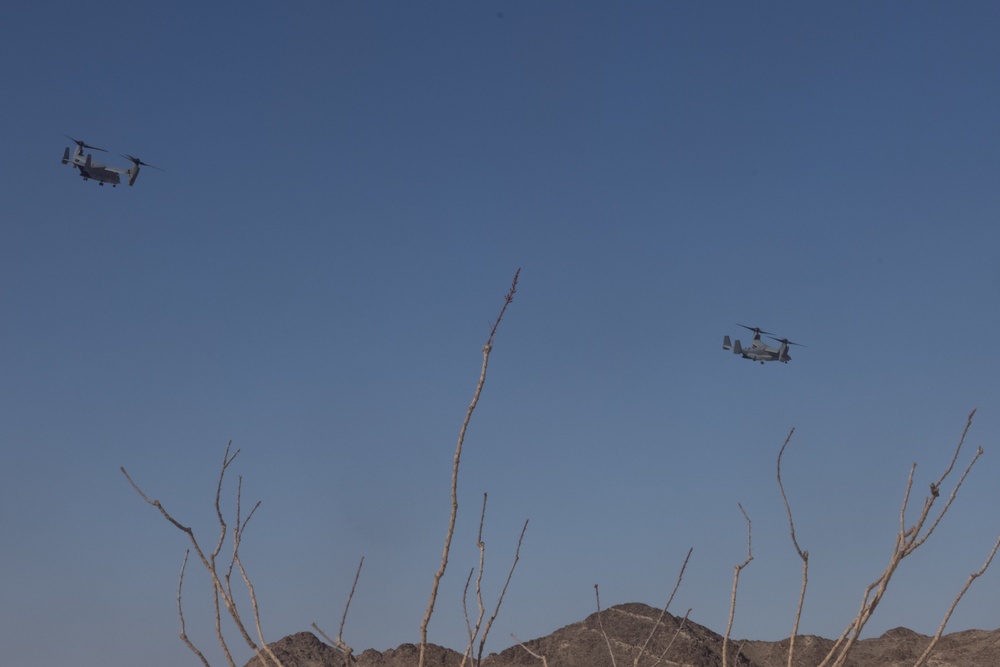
(629, 627)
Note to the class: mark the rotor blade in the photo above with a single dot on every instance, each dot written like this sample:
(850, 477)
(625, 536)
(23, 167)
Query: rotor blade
(785, 341)
(83, 144)
(137, 161)
(756, 330)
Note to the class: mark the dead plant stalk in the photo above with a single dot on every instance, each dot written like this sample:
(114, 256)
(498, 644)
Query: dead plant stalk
(736, 585)
(221, 585)
(907, 541)
(339, 643)
(804, 555)
(487, 348)
(474, 632)
(656, 624)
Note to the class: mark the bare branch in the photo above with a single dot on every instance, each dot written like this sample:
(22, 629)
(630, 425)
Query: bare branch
(503, 592)
(256, 618)
(481, 545)
(454, 473)
(222, 594)
(736, 583)
(474, 632)
(545, 662)
(804, 555)
(906, 502)
(951, 498)
(209, 565)
(958, 447)
(468, 625)
(507, 301)
(677, 632)
(907, 541)
(972, 577)
(339, 643)
(343, 619)
(600, 623)
(663, 611)
(180, 612)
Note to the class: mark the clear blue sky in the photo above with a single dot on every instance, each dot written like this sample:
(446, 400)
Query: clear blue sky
(348, 189)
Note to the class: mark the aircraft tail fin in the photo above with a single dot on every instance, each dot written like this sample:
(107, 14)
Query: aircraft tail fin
(65, 158)
(737, 348)
(726, 345)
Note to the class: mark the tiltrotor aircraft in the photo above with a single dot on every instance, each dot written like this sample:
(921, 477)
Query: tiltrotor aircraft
(758, 350)
(101, 173)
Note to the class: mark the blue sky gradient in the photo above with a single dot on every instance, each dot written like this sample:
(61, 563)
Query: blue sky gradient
(348, 190)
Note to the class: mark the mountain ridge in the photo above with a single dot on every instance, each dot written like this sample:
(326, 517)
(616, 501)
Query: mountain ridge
(634, 630)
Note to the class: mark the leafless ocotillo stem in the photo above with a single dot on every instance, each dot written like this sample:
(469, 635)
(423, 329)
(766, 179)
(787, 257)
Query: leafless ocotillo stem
(736, 583)
(487, 348)
(221, 584)
(545, 662)
(503, 592)
(474, 631)
(180, 612)
(339, 643)
(907, 541)
(972, 577)
(804, 555)
(600, 623)
(663, 612)
(680, 627)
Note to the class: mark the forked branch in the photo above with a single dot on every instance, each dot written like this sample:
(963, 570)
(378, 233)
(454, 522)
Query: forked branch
(644, 649)
(339, 643)
(474, 632)
(221, 583)
(908, 540)
(677, 632)
(663, 612)
(503, 592)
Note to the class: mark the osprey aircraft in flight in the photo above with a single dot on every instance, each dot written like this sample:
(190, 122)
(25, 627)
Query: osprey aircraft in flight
(101, 173)
(759, 350)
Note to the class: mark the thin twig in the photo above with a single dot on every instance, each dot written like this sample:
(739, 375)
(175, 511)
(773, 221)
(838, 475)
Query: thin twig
(600, 624)
(545, 662)
(972, 577)
(677, 632)
(180, 612)
(226, 593)
(663, 611)
(468, 624)
(347, 605)
(503, 592)
(256, 615)
(339, 643)
(474, 632)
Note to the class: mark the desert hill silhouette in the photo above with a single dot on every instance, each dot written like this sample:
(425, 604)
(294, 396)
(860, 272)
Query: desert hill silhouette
(630, 627)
